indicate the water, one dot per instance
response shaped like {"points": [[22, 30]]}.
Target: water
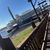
{"points": [[4, 33]]}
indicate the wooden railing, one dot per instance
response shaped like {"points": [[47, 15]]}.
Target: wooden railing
{"points": [[35, 40], [32, 42]]}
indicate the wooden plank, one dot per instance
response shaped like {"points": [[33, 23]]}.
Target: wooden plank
{"points": [[47, 48], [48, 43], [48, 31], [48, 36]]}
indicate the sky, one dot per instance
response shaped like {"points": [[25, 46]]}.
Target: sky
{"points": [[16, 6]]}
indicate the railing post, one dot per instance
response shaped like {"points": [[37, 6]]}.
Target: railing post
{"points": [[33, 25], [6, 44]]}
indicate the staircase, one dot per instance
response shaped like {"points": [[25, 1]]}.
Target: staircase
{"points": [[48, 37]]}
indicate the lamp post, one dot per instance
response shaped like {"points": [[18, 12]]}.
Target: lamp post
{"points": [[34, 9], [11, 14]]}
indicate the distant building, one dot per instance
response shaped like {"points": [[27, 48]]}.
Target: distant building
{"points": [[25, 15], [18, 19], [29, 13]]}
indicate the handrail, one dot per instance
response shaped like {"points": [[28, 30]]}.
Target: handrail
{"points": [[31, 33], [32, 36]]}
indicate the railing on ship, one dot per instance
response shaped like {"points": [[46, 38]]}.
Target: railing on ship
{"points": [[32, 42], [35, 40]]}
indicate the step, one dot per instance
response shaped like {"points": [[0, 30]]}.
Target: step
{"points": [[48, 31], [49, 23], [49, 27], [48, 35], [48, 43], [48, 40], [47, 48]]}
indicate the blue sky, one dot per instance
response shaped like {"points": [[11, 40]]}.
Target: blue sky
{"points": [[16, 6]]}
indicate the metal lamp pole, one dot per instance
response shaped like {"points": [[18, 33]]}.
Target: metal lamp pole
{"points": [[11, 14], [34, 9]]}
